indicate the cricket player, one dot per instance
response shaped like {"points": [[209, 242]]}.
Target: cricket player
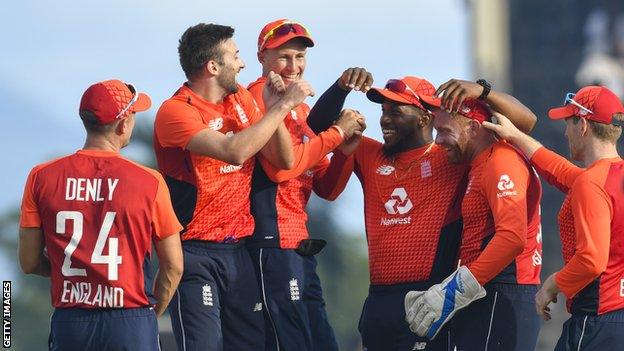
{"points": [[282, 252], [412, 204], [205, 137], [89, 221], [590, 219], [500, 253]]}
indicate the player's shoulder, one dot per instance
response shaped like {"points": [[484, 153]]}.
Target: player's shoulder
{"points": [[50, 164], [596, 175], [505, 155], [257, 85], [142, 169]]}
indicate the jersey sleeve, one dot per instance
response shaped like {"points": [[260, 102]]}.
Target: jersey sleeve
{"points": [[164, 220], [335, 178], [176, 123], [30, 217], [592, 212], [557, 170], [504, 182], [253, 109], [307, 155]]}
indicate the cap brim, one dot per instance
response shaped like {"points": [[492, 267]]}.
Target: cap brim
{"points": [[143, 103], [433, 101], [279, 41], [561, 112], [381, 95]]}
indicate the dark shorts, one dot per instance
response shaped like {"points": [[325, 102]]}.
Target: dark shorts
{"points": [[104, 329], [383, 326], [217, 305], [593, 333], [505, 319], [295, 315]]}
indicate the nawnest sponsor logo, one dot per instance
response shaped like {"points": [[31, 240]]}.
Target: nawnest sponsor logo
{"points": [[229, 169], [506, 187], [398, 204]]}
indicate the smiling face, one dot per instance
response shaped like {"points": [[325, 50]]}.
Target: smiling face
{"points": [[229, 66], [399, 125], [454, 135], [287, 60]]}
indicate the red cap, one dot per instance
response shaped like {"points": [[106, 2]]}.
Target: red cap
{"points": [[475, 109], [409, 90], [278, 32], [602, 103], [113, 99]]}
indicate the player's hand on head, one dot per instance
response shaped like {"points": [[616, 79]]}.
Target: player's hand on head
{"points": [[502, 126], [455, 91], [356, 78]]}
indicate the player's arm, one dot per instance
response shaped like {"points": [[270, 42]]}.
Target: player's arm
{"points": [[239, 147], [509, 211], [327, 108], [309, 154], [168, 246], [455, 91], [31, 246], [170, 268], [592, 211], [31, 242], [557, 170]]}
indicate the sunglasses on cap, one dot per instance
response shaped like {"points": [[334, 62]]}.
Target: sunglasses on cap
{"points": [[399, 86], [569, 99], [284, 29], [134, 99]]}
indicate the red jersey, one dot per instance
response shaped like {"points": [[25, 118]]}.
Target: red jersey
{"points": [[502, 241], [279, 197], [210, 197], [411, 207], [98, 213], [591, 226]]}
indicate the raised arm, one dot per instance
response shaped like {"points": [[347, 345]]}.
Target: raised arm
{"points": [[455, 91], [327, 108]]}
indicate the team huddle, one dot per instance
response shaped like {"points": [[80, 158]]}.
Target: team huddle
{"points": [[452, 223]]}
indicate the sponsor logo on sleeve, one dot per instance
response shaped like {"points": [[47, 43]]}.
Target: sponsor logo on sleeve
{"points": [[506, 187]]}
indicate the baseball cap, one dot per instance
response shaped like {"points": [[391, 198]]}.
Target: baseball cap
{"points": [[278, 32], [408, 90], [111, 100], [595, 103], [475, 109]]}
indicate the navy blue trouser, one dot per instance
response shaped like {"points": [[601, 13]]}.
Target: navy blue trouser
{"points": [[383, 326], [593, 333], [295, 315], [505, 319], [123, 329], [217, 305]]}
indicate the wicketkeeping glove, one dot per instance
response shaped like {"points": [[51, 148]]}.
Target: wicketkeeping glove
{"points": [[428, 311]]}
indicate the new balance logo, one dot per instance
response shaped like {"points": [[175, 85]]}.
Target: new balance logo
{"points": [[419, 346], [399, 203], [241, 114], [505, 186], [385, 170], [207, 295], [215, 124], [294, 290], [293, 114], [425, 169], [258, 307]]}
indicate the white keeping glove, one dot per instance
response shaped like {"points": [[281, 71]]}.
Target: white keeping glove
{"points": [[428, 311]]}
